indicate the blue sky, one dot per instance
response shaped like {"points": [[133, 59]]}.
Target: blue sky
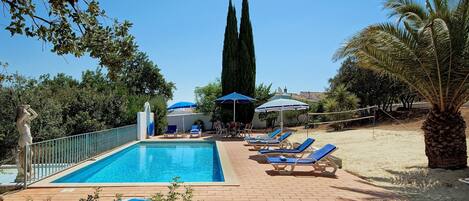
{"points": [[294, 40]]}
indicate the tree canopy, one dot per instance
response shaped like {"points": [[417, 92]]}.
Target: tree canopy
{"points": [[372, 88], [141, 76], [205, 97], [75, 27]]}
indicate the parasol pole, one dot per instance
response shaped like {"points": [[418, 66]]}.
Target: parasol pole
{"points": [[281, 119], [234, 110]]}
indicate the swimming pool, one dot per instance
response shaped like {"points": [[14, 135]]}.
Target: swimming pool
{"points": [[154, 162]]}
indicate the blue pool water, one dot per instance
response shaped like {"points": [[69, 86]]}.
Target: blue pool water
{"points": [[154, 162]]}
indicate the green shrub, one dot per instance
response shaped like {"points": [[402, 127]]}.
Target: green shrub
{"points": [[158, 106], [269, 117], [172, 195], [94, 196], [339, 99], [67, 106]]}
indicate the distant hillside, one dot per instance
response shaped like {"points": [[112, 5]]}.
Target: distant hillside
{"points": [[308, 95]]}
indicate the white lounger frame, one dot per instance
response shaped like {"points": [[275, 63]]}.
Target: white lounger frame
{"points": [[284, 144], [320, 165]]}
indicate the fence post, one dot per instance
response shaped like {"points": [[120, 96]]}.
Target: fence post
{"points": [[374, 120], [25, 166], [86, 147], [374, 116]]}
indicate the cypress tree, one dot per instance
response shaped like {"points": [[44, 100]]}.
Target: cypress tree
{"points": [[246, 36], [230, 53], [247, 63], [229, 76]]}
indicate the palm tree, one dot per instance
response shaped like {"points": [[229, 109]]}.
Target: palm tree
{"points": [[338, 99], [428, 48]]}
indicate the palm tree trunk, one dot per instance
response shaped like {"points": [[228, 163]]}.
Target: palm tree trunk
{"points": [[445, 140]]}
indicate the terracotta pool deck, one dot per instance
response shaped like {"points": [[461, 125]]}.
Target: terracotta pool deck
{"points": [[256, 183]]}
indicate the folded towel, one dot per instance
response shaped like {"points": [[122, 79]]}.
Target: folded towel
{"points": [[282, 158]]}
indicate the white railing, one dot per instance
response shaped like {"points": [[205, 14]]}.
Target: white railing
{"points": [[49, 157]]}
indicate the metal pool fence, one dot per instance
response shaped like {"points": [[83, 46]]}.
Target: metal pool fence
{"points": [[48, 157]]}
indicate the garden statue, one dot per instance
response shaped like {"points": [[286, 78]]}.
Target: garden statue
{"points": [[24, 115]]}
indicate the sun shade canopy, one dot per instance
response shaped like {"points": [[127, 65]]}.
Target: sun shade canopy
{"points": [[235, 97], [180, 105], [282, 105]]}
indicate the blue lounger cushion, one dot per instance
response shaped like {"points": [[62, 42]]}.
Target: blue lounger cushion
{"points": [[262, 137], [305, 145], [311, 159], [195, 129]]}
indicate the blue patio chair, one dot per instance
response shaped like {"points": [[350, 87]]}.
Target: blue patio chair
{"points": [[171, 131], [265, 144], [319, 160], [297, 152], [271, 135], [196, 130]]}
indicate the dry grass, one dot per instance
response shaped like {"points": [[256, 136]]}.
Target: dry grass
{"points": [[394, 160]]}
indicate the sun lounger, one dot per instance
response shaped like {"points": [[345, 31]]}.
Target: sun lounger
{"points": [[171, 131], [195, 130], [298, 151], [281, 142], [319, 160], [271, 135]]}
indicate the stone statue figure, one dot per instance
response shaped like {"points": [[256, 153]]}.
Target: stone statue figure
{"points": [[24, 115]]}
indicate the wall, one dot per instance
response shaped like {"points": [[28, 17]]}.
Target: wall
{"points": [[190, 118]]}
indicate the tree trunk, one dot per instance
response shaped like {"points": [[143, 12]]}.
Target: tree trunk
{"points": [[403, 102], [445, 140], [411, 102]]}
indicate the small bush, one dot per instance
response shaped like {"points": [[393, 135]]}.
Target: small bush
{"points": [[94, 197], [172, 195]]}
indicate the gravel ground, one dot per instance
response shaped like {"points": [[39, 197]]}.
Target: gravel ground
{"points": [[392, 159]]}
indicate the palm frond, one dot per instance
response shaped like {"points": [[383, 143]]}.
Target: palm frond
{"points": [[441, 6], [429, 7], [409, 10], [428, 49]]}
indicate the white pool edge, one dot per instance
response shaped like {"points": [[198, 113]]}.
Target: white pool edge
{"points": [[228, 171]]}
